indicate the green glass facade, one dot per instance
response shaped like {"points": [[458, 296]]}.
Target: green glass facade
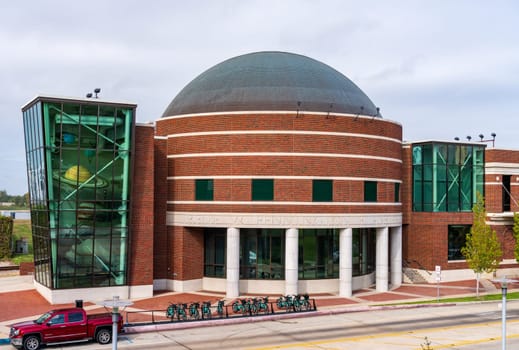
{"points": [[79, 166], [446, 177]]}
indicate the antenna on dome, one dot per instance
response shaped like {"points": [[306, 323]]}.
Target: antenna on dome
{"points": [[361, 112], [376, 114], [329, 110]]}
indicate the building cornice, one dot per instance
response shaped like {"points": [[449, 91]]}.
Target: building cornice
{"points": [[248, 220]]}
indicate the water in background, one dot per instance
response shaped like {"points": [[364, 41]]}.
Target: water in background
{"points": [[17, 214]]}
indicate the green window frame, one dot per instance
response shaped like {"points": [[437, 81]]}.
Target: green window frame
{"points": [[370, 191], [262, 189], [322, 191], [397, 192], [204, 190]]}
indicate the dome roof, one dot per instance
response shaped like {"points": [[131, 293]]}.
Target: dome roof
{"points": [[274, 81]]}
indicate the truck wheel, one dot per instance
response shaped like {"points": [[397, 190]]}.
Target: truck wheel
{"points": [[31, 342], [104, 336]]}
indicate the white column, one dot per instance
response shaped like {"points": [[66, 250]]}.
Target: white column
{"points": [[396, 256], [382, 259], [345, 262], [291, 260], [233, 263]]}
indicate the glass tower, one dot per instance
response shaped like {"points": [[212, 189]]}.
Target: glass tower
{"points": [[447, 176], [78, 166]]}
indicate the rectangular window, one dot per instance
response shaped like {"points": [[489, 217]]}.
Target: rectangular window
{"points": [[397, 192], [204, 190], [506, 192], [322, 191], [370, 191], [214, 252], [457, 237], [262, 189]]}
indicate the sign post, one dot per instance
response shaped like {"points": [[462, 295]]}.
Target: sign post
{"points": [[438, 279]]}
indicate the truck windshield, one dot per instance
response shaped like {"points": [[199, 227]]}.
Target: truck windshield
{"points": [[43, 318]]}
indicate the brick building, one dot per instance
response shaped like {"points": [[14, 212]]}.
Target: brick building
{"points": [[268, 173]]}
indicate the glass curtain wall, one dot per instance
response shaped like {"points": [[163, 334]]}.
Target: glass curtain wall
{"points": [[446, 177], [318, 253], [363, 251], [262, 254], [35, 157], [214, 252], [85, 170]]}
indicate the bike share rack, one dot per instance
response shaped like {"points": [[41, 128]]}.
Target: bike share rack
{"points": [[241, 307]]}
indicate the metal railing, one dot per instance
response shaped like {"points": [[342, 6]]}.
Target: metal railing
{"points": [[202, 311]]}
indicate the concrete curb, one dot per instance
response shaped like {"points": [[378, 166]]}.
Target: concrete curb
{"points": [[271, 317]]}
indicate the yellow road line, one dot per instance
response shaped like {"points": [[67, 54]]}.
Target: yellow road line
{"points": [[396, 334]]}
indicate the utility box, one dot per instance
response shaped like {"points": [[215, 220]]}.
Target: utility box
{"points": [[22, 246]]}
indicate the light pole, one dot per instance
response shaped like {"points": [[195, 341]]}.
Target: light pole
{"points": [[504, 282], [115, 304]]}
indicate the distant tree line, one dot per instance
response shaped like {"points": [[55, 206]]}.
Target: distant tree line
{"points": [[19, 201]]}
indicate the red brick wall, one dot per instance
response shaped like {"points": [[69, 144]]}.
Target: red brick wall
{"points": [[140, 263], [494, 155], [288, 121], [406, 188], [161, 247], [187, 247], [288, 190], [494, 192], [426, 238], [505, 235]]}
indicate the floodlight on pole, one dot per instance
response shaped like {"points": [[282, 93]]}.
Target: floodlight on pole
{"points": [[115, 304], [504, 285]]}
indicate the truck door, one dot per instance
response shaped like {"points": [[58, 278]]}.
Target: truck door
{"points": [[55, 330], [76, 325]]}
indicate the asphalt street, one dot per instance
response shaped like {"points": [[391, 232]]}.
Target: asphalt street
{"points": [[463, 326]]}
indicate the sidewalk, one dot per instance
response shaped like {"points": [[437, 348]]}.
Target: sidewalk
{"points": [[19, 300]]}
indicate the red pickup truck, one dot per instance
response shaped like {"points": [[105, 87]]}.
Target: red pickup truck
{"points": [[63, 326]]}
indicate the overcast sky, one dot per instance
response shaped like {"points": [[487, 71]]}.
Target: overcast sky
{"points": [[440, 68]]}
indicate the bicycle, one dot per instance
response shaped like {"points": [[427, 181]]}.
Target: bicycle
{"points": [[219, 307], [171, 311], [263, 305], [194, 312], [181, 312], [243, 306], [285, 302], [206, 310], [305, 302]]}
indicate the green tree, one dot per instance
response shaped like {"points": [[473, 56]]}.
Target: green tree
{"points": [[482, 248], [516, 236], [6, 236]]}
